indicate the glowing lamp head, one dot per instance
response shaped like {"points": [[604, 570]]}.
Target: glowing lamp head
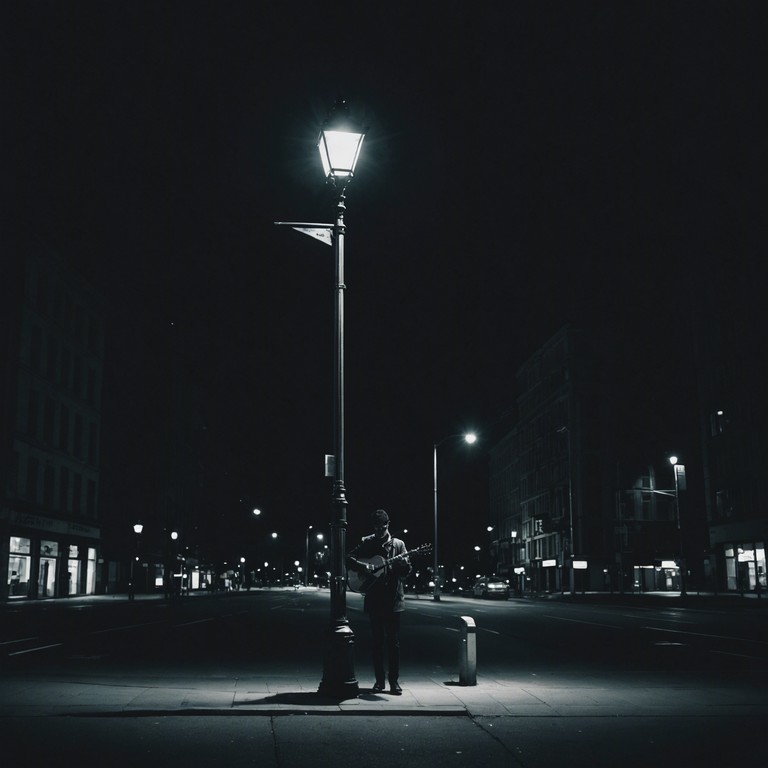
{"points": [[339, 144], [470, 438]]}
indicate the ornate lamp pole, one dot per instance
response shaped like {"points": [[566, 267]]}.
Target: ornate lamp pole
{"points": [[339, 144]]}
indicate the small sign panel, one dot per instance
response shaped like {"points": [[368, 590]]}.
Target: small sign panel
{"points": [[680, 475]]}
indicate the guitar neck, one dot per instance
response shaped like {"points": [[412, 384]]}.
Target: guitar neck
{"points": [[403, 554]]}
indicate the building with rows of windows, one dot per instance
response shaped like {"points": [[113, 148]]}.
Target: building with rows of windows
{"points": [[51, 351]]}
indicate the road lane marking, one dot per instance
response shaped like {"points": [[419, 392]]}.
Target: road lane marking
{"points": [[22, 640], [126, 626], [189, 623], [704, 634], [33, 650], [740, 655], [579, 621]]}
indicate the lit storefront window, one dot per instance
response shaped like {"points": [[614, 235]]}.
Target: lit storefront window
{"points": [[73, 570], [745, 566], [19, 566], [49, 553], [90, 579]]}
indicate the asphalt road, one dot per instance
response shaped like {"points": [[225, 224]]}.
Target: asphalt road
{"points": [[286, 628], [700, 649]]}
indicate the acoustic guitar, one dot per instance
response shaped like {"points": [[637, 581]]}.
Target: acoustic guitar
{"points": [[362, 582]]}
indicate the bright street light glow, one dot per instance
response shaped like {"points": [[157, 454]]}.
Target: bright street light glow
{"points": [[470, 438], [673, 460], [339, 151]]}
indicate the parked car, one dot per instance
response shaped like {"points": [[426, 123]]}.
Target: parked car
{"points": [[491, 586]]}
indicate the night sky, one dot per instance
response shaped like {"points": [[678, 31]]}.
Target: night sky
{"points": [[527, 165]]}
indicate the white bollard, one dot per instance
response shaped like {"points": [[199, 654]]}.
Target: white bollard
{"points": [[468, 651]]}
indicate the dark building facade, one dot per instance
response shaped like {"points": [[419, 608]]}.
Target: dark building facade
{"points": [[572, 506], [51, 350], [545, 473], [730, 332]]}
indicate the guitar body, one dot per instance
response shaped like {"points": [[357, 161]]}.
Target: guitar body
{"points": [[362, 582]]}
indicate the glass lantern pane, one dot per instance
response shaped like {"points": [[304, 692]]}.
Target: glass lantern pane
{"points": [[343, 149]]}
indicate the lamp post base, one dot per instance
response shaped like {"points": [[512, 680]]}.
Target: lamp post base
{"points": [[338, 667]]}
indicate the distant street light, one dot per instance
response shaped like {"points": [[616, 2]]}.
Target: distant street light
{"points": [[468, 438], [177, 562], [572, 574], [306, 556], [679, 470], [137, 529], [306, 553]]}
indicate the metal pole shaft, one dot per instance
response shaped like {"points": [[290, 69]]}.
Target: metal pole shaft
{"points": [[679, 533], [338, 672], [339, 503], [570, 512], [436, 587]]}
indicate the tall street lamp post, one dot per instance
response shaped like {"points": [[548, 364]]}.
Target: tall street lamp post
{"points": [[469, 438], [176, 591], [306, 557], [339, 145], [572, 575], [137, 529], [306, 554], [679, 470]]}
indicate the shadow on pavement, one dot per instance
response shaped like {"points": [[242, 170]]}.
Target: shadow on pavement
{"points": [[299, 698], [310, 698]]}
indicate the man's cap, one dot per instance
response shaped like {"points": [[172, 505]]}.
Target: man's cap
{"points": [[380, 517]]}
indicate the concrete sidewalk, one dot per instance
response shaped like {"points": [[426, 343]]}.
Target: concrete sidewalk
{"points": [[39, 695]]}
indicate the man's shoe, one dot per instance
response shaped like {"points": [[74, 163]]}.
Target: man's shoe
{"points": [[395, 689], [378, 687]]}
